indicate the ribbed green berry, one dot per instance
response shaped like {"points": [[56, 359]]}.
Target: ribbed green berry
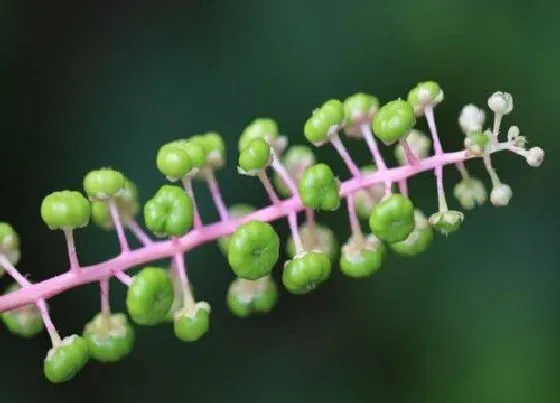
{"points": [[254, 157], [306, 272], [169, 212], [367, 198], [214, 148], [261, 128], [296, 160], [103, 184], [470, 192], [65, 360], [318, 127], [173, 161], [253, 250], [392, 220], [319, 188], [246, 297], [150, 296], [446, 221], [191, 323], [9, 244], [476, 142], [426, 94], [109, 338], [235, 211], [24, 321], [127, 206], [358, 110], [361, 257], [418, 240], [65, 210], [315, 237], [194, 150], [393, 121]]}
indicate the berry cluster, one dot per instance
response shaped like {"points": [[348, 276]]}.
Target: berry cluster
{"points": [[244, 234]]}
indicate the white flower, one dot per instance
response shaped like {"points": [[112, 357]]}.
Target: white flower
{"points": [[535, 156], [501, 102], [501, 195], [471, 119], [513, 134]]}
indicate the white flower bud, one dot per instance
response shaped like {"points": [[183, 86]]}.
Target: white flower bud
{"points": [[418, 142], [501, 195], [471, 119], [513, 133], [501, 102], [535, 156]]}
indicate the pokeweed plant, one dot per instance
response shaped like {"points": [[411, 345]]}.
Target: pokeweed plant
{"points": [[250, 244]]}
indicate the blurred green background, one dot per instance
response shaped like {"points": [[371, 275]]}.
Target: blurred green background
{"points": [[474, 319]]}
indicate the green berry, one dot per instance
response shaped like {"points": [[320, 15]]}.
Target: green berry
{"points": [[315, 237], [103, 184], [323, 121], [392, 220], [191, 323], [366, 199], [446, 221], [65, 360], [9, 244], [470, 192], [150, 296], [393, 121], [262, 128], [194, 150], [476, 142], [358, 110], [253, 250], [109, 337], [214, 148], [426, 94], [169, 212], [418, 240], [361, 257], [319, 188], [254, 157], [173, 161], [246, 297], [127, 206], [235, 211], [306, 272], [296, 160], [24, 321], [65, 210]]}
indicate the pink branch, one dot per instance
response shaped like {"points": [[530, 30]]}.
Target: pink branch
{"points": [[72, 254], [354, 222], [292, 222], [216, 194], [283, 173], [138, 232], [118, 226], [187, 184], [124, 278], [377, 157], [268, 187], [339, 147], [429, 113], [104, 288], [181, 273], [164, 249]]}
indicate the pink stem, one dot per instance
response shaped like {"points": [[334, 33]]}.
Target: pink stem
{"points": [[268, 187], [310, 218], [118, 225], [343, 152], [187, 184], [292, 222], [283, 173], [374, 150], [162, 249], [354, 222], [104, 288], [124, 278], [403, 187], [139, 232], [13, 272], [216, 194], [181, 273], [72, 254], [411, 158], [429, 113]]}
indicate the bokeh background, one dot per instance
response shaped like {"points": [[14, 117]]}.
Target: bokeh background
{"points": [[474, 319]]}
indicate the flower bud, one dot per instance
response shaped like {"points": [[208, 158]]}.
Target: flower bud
{"points": [[535, 156], [500, 195], [501, 103], [471, 119]]}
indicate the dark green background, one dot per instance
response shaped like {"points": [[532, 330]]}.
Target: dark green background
{"points": [[475, 319]]}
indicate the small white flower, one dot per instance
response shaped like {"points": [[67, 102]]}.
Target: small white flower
{"points": [[501, 195], [535, 156], [513, 134], [501, 102], [471, 119]]}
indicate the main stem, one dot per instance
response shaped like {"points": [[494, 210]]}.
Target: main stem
{"points": [[165, 249]]}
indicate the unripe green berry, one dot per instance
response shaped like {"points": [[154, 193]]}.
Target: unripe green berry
{"points": [[319, 188], [262, 128], [253, 250], [426, 94], [315, 237], [361, 257], [109, 337], [446, 221], [66, 359], [296, 160], [476, 142], [191, 323], [9, 244], [127, 207], [103, 184], [254, 157], [418, 240], [235, 211], [393, 121], [246, 297], [358, 110], [392, 220], [173, 161], [194, 150], [214, 148], [150, 296], [306, 272], [169, 212], [65, 210], [323, 121], [24, 321]]}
